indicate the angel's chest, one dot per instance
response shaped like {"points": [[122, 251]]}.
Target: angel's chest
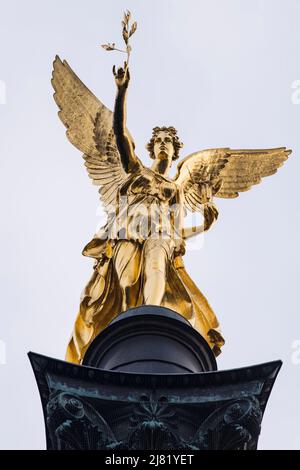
{"points": [[155, 186]]}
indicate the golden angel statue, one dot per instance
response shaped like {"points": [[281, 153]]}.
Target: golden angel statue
{"points": [[138, 253]]}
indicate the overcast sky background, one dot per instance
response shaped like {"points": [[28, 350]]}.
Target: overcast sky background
{"points": [[221, 72]]}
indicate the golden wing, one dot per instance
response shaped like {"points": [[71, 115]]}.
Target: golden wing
{"points": [[227, 171], [90, 128]]}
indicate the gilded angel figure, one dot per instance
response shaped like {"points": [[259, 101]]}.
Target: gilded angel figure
{"points": [[138, 253]]}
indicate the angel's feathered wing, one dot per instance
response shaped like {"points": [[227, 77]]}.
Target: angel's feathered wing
{"points": [[234, 170], [90, 128]]}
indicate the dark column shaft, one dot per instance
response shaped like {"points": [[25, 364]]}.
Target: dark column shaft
{"points": [[150, 339]]}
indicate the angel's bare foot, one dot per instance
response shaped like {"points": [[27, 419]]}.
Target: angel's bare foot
{"points": [[217, 339]]}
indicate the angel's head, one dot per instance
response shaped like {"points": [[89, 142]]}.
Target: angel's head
{"points": [[164, 146]]}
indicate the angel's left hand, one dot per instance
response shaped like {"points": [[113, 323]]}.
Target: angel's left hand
{"points": [[211, 214]]}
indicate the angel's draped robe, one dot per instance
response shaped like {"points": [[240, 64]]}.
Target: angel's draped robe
{"points": [[149, 208]]}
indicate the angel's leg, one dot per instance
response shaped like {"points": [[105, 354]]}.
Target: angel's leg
{"points": [[156, 255], [127, 265]]}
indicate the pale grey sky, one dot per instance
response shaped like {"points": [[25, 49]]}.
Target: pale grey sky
{"points": [[222, 72]]}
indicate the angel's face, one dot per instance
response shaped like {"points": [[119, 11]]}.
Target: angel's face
{"points": [[163, 146]]}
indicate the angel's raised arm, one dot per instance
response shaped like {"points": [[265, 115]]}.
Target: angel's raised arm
{"points": [[124, 142], [89, 126]]}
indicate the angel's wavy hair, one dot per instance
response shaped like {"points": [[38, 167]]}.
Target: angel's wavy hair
{"points": [[173, 133]]}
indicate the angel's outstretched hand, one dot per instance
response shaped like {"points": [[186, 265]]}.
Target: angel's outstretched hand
{"points": [[122, 76]]}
